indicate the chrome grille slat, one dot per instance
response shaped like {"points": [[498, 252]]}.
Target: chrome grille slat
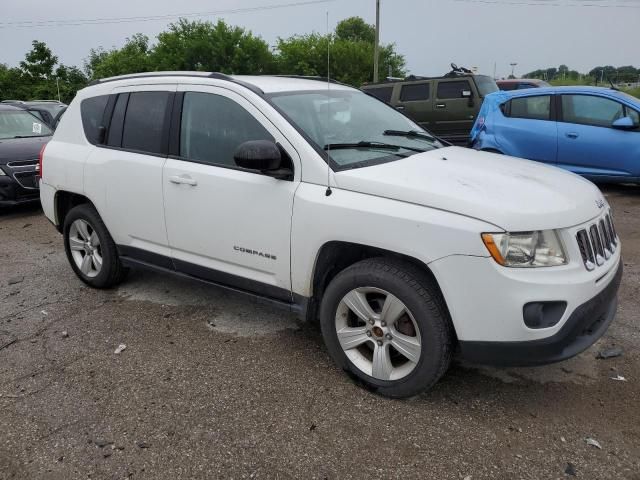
{"points": [[597, 242]]}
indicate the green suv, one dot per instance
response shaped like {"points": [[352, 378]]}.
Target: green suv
{"points": [[447, 106]]}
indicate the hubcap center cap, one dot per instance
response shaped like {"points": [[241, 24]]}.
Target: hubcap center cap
{"points": [[377, 331]]}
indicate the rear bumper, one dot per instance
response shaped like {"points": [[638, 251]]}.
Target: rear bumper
{"points": [[11, 193], [583, 328]]}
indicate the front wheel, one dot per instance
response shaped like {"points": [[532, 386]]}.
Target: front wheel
{"points": [[384, 323]]}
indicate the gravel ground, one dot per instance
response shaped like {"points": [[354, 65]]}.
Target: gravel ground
{"points": [[212, 385]]}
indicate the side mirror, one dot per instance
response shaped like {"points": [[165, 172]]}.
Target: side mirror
{"points": [[624, 123], [262, 155]]}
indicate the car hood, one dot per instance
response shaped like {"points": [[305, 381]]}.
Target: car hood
{"points": [[510, 193], [17, 149]]}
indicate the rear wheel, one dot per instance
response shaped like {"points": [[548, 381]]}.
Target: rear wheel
{"points": [[90, 249], [385, 324]]}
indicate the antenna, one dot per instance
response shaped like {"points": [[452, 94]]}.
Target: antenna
{"points": [[328, 192]]}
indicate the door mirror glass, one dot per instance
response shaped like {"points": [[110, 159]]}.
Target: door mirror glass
{"points": [[261, 155], [466, 93], [624, 123]]}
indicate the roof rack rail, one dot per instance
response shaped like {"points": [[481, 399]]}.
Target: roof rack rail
{"points": [[214, 75], [313, 77]]}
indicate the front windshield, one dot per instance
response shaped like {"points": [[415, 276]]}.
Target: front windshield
{"points": [[337, 120], [21, 124]]}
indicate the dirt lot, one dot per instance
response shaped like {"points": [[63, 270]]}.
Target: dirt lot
{"points": [[212, 385]]}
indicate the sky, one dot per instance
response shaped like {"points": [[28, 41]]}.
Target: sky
{"points": [[431, 34]]}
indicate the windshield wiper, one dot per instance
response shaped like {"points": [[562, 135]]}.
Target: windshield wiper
{"points": [[366, 144], [29, 136], [410, 134]]}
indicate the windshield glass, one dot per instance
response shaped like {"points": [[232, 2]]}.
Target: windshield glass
{"points": [[337, 120], [486, 85], [18, 124]]}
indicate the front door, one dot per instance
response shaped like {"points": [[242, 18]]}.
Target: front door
{"points": [[226, 224], [587, 143]]}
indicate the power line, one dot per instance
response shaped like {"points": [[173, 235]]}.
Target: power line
{"points": [[150, 18], [556, 3]]}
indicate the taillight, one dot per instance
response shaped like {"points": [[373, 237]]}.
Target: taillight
{"points": [[40, 156]]}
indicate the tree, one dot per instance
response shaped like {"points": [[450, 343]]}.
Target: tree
{"points": [[39, 62], [352, 48], [211, 47], [133, 57]]}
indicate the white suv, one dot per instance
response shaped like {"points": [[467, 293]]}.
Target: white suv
{"points": [[324, 200]]}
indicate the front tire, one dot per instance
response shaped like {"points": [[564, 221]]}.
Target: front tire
{"points": [[90, 249], [385, 323]]}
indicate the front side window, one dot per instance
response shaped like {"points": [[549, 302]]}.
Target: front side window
{"points": [[144, 122], [634, 115], [533, 108], [414, 91], [357, 130], [591, 110], [214, 126], [21, 124], [453, 89]]}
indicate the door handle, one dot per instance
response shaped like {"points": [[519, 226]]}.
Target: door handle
{"points": [[183, 180], [441, 105], [400, 107], [572, 135]]}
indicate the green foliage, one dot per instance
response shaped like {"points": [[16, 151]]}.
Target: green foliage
{"points": [[134, 56], [352, 50], [598, 75], [208, 47]]}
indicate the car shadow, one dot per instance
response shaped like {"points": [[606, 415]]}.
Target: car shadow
{"points": [[25, 210]]}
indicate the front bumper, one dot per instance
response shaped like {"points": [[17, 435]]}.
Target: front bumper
{"points": [[12, 193], [583, 328]]}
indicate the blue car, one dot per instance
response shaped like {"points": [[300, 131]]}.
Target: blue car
{"points": [[592, 131]]}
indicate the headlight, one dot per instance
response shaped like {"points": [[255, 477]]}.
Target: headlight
{"points": [[541, 248]]}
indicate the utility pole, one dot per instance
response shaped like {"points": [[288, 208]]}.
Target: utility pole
{"points": [[58, 86], [377, 46]]}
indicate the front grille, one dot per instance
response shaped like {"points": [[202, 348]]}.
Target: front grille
{"points": [[598, 242]]}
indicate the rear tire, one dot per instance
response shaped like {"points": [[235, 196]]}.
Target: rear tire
{"points": [[90, 249], [401, 341]]}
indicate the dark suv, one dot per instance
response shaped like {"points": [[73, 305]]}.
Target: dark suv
{"points": [[447, 105], [22, 136]]}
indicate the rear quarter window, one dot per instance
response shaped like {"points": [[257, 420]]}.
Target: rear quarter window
{"points": [[92, 111], [382, 93]]}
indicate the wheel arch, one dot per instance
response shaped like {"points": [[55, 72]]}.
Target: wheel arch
{"points": [[334, 256], [64, 201]]}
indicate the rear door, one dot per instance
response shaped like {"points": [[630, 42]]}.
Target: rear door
{"points": [[415, 100], [453, 111], [587, 143], [124, 175]]}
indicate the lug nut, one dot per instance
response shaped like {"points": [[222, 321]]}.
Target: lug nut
{"points": [[383, 323], [379, 343], [389, 337], [368, 333], [372, 321]]}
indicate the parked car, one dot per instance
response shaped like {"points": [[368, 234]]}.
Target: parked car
{"points": [[22, 136], [403, 249], [521, 83], [592, 131], [446, 105], [49, 111]]}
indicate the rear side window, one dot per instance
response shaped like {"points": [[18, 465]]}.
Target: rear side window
{"points": [[144, 122], [452, 89], [91, 111], [383, 93], [591, 110], [534, 108], [213, 127], [415, 91]]}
